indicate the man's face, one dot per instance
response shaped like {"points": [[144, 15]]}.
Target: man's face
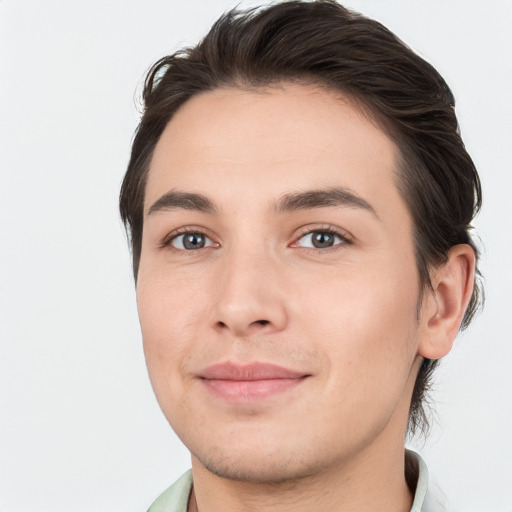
{"points": [[278, 288]]}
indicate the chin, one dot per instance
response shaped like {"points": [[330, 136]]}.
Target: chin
{"points": [[259, 460], [258, 469]]}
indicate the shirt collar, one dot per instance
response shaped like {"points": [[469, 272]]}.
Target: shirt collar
{"points": [[421, 484], [175, 499]]}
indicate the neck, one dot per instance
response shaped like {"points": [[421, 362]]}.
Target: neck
{"points": [[373, 481]]}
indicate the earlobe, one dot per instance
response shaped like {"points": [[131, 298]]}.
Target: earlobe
{"points": [[445, 304]]}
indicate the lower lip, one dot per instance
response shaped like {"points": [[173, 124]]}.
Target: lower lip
{"points": [[246, 391]]}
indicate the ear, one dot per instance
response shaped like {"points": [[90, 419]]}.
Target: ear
{"points": [[445, 303]]}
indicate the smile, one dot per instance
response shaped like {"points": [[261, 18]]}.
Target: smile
{"points": [[243, 384]]}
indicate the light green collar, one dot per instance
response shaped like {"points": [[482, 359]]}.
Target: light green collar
{"points": [[175, 499]]}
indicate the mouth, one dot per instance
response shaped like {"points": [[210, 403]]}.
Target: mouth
{"points": [[247, 383]]}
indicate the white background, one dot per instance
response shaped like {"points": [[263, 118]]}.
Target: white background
{"points": [[80, 429]]}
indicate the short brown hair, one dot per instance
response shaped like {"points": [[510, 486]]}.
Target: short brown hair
{"points": [[322, 42]]}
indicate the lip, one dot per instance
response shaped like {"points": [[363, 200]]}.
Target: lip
{"points": [[246, 383]]}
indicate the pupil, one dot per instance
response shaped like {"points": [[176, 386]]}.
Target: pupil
{"points": [[322, 240], [193, 241]]}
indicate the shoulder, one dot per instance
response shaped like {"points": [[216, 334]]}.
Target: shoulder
{"points": [[174, 499]]}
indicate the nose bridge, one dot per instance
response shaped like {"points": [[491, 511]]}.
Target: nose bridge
{"points": [[248, 296]]}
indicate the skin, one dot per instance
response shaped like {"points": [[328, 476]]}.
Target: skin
{"points": [[345, 315]]}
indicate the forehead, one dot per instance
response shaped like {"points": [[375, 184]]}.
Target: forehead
{"points": [[272, 141]]}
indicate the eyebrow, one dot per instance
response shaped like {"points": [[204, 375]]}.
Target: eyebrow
{"points": [[322, 198], [310, 199], [175, 199]]}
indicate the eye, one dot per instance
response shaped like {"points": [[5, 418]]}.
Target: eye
{"points": [[191, 241], [320, 239]]}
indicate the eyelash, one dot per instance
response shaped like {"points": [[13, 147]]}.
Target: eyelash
{"points": [[345, 239], [167, 241]]}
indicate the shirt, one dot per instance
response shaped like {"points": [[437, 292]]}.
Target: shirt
{"points": [[175, 499]]}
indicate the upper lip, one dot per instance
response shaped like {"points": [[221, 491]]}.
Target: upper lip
{"points": [[246, 372]]}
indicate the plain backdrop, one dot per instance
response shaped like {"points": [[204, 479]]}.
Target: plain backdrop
{"points": [[80, 429]]}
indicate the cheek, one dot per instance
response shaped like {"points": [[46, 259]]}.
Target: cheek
{"points": [[365, 324], [168, 302], [168, 312], [367, 335]]}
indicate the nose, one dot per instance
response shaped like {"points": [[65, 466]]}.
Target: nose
{"points": [[249, 297]]}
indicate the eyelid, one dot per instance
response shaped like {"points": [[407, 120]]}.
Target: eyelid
{"points": [[168, 239], [303, 231], [346, 238]]}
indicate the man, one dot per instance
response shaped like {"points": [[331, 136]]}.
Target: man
{"points": [[299, 202]]}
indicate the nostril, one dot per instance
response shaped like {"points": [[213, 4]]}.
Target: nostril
{"points": [[242, 327]]}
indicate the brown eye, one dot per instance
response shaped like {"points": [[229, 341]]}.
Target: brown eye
{"points": [[320, 240], [191, 241]]}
